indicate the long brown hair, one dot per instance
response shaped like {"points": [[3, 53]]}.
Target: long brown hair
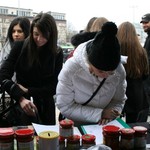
{"points": [[47, 25], [137, 62]]}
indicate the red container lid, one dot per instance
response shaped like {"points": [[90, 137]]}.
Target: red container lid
{"points": [[66, 123], [88, 137], [127, 131], [111, 129], [24, 132], [74, 139], [140, 129], [6, 132]]}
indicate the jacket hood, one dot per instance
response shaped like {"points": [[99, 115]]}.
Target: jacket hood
{"points": [[80, 56], [82, 37]]}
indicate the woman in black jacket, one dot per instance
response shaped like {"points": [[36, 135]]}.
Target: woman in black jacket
{"points": [[37, 62], [137, 70]]}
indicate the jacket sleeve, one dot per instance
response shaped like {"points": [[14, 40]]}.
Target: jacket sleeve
{"points": [[7, 71]]}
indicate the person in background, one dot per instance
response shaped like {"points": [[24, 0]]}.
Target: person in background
{"points": [[94, 25], [137, 69], [37, 62], [94, 63], [98, 23], [145, 21], [18, 30], [82, 36], [89, 24]]}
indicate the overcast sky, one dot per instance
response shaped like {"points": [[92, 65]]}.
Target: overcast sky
{"points": [[78, 12]]}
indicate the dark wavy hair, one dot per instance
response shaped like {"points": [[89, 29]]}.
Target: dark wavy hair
{"points": [[23, 22]]}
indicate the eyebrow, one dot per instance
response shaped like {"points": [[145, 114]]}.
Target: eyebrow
{"points": [[145, 22]]}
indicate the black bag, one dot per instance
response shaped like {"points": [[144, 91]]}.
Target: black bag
{"points": [[11, 114]]}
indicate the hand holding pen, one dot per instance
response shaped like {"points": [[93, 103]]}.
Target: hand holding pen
{"points": [[28, 106], [116, 113], [108, 115], [34, 109]]}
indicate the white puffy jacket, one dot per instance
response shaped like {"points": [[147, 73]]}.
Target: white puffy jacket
{"points": [[76, 85]]}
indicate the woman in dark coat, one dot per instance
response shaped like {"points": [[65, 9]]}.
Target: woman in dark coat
{"points": [[37, 62]]}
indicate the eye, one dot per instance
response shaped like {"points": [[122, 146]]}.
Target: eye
{"points": [[19, 31], [35, 34]]}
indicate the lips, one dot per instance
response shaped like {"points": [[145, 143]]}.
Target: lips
{"points": [[17, 39]]}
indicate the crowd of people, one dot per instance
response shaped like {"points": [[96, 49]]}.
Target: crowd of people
{"points": [[94, 85]]}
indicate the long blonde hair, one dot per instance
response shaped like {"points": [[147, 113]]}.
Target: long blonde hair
{"points": [[137, 62], [90, 22], [98, 23]]}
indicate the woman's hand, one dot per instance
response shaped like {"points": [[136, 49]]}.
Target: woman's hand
{"points": [[28, 106], [108, 115]]}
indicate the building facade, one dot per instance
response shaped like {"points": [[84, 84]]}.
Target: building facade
{"points": [[7, 14]]}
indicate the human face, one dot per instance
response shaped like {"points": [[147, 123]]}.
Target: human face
{"points": [[38, 37], [100, 73], [17, 33], [146, 26]]}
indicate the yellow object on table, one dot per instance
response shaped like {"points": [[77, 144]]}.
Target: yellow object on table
{"points": [[48, 140]]}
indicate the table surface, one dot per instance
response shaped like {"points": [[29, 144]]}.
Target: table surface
{"points": [[145, 124]]}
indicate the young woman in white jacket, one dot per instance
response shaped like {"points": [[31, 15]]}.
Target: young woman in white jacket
{"points": [[81, 75]]}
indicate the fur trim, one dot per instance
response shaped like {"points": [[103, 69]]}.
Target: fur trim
{"points": [[82, 37]]}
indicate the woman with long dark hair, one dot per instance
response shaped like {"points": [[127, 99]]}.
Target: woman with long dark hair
{"points": [[18, 30], [37, 62]]}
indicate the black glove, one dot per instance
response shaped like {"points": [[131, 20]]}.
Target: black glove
{"points": [[6, 85], [12, 89]]}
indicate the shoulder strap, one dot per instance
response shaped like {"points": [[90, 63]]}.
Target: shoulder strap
{"points": [[100, 85]]}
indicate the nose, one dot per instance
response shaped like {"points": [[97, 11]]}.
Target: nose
{"points": [[39, 38], [16, 33]]}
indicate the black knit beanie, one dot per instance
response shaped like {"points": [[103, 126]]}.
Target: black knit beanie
{"points": [[104, 51]]}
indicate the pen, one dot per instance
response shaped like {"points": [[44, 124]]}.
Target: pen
{"points": [[31, 98], [117, 113]]}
